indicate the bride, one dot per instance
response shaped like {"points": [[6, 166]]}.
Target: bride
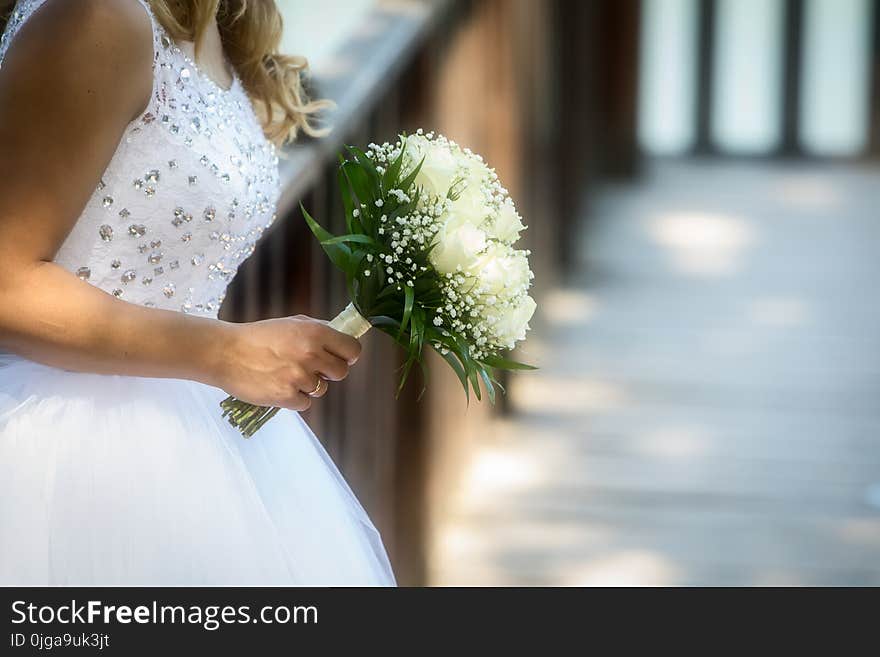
{"points": [[138, 168]]}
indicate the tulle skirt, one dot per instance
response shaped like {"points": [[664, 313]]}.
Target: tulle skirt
{"points": [[115, 480]]}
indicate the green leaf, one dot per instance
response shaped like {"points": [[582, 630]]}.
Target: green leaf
{"points": [[339, 254], [368, 165], [369, 285], [475, 382], [506, 364], [490, 389], [407, 366], [393, 171], [407, 182], [384, 322], [495, 381], [387, 291], [461, 348], [420, 329], [351, 237], [409, 299], [345, 193], [360, 182], [414, 349], [452, 358]]}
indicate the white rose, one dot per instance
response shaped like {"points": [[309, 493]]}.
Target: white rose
{"points": [[439, 169], [508, 223], [459, 244], [520, 274], [514, 324], [503, 272], [471, 203]]}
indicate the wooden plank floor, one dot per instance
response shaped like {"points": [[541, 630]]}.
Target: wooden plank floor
{"points": [[708, 408]]}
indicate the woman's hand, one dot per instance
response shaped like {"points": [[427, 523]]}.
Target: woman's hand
{"points": [[278, 362]]}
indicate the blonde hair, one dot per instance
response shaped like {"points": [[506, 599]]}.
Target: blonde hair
{"points": [[251, 33]]}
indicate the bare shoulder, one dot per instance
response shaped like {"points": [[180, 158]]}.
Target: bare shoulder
{"points": [[121, 25], [91, 41]]}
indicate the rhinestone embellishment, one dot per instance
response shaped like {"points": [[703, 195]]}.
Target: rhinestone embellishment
{"points": [[189, 131]]}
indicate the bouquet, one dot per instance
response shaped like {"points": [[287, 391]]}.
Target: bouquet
{"points": [[429, 259]]}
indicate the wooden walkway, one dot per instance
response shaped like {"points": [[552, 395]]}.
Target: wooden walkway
{"points": [[708, 408]]}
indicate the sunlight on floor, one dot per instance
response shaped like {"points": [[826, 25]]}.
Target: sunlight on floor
{"points": [[703, 244], [569, 307], [499, 472], [566, 394], [626, 568], [679, 443]]}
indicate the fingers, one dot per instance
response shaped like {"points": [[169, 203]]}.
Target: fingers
{"points": [[296, 401], [319, 389], [329, 366], [341, 345], [309, 384], [303, 388]]}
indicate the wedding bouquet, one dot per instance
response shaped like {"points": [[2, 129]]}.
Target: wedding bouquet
{"points": [[429, 259]]}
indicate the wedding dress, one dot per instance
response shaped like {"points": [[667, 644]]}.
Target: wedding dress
{"points": [[116, 480]]}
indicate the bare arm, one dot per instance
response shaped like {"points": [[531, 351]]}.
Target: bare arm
{"points": [[74, 77]]}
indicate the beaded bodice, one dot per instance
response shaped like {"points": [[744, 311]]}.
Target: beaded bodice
{"points": [[190, 189]]}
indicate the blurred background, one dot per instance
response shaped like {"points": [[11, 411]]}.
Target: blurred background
{"points": [[700, 178]]}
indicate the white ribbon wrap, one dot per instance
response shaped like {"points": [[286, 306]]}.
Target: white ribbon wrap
{"points": [[350, 322]]}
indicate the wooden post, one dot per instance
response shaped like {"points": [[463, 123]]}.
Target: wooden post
{"points": [[703, 144], [790, 116], [616, 95], [873, 149]]}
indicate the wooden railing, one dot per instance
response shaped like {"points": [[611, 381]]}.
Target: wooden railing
{"points": [[365, 429], [486, 73]]}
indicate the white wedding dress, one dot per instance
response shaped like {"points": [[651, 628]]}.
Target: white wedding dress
{"points": [[115, 480]]}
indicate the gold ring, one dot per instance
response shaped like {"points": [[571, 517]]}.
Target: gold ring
{"points": [[314, 393]]}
